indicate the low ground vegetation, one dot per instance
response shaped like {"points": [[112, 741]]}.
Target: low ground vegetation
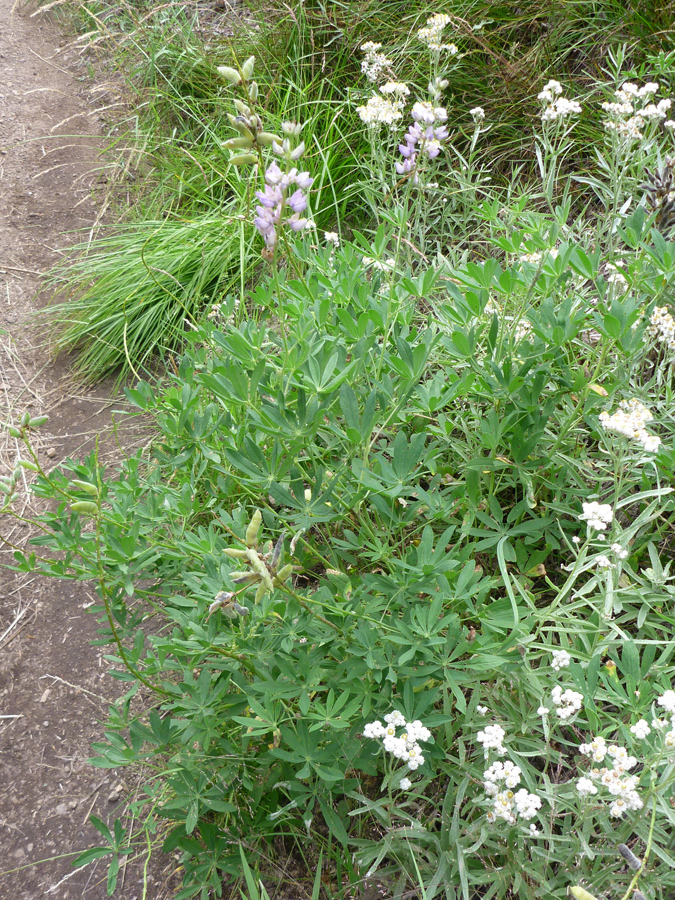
{"points": [[394, 582]]}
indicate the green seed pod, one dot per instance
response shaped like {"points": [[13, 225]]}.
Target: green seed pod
{"points": [[227, 73], [247, 68], [86, 486], [260, 593], [86, 507], [235, 553], [28, 464], [240, 143], [283, 574], [253, 529], [244, 577], [241, 125], [260, 568], [25, 418], [629, 856], [581, 894], [242, 108], [253, 91], [14, 432], [36, 421], [244, 160], [267, 139]]}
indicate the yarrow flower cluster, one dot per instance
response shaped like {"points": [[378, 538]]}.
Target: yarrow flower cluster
{"points": [[432, 35], [630, 420], [621, 786], [633, 107], [274, 201], [662, 327], [556, 107], [404, 746], [598, 515], [424, 135], [374, 62], [499, 780]]}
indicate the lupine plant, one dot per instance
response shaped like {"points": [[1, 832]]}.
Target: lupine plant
{"points": [[394, 582]]}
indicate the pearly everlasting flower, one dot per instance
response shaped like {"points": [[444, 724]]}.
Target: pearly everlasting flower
{"points": [[598, 515], [380, 111], [403, 746], [492, 738], [534, 831], [561, 660], [558, 107], [629, 420], [477, 114], [526, 804], [543, 711], [667, 701], [405, 784], [641, 729], [374, 62], [597, 749], [662, 327], [432, 35], [586, 788], [619, 551], [603, 562], [374, 730], [567, 703], [397, 88], [395, 718], [482, 710]]}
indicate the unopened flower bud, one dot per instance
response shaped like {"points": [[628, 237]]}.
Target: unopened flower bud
{"points": [[292, 129], [253, 91]]}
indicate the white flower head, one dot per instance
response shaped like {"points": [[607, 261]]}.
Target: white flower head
{"points": [[405, 784], [561, 660], [598, 515]]}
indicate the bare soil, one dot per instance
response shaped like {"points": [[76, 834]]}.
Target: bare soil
{"points": [[54, 685]]}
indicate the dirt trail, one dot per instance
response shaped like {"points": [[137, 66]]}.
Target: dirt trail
{"points": [[54, 686]]}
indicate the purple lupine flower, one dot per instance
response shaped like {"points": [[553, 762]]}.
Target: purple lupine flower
{"points": [[273, 199], [424, 136]]}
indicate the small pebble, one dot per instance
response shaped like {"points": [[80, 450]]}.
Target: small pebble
{"points": [[51, 453]]}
